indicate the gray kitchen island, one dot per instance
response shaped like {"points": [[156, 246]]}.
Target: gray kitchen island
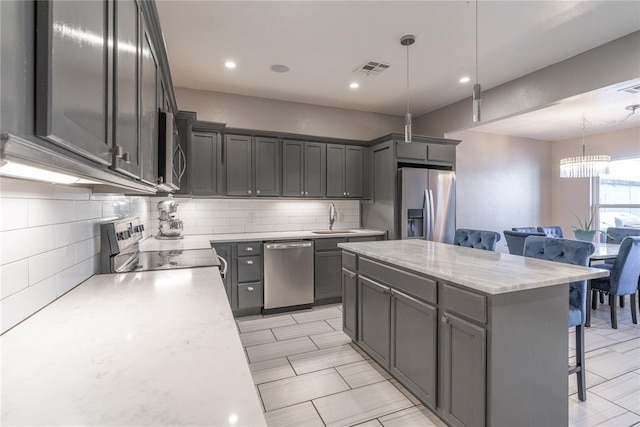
{"points": [[480, 337]]}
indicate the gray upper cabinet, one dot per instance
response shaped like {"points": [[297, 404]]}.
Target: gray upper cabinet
{"points": [[422, 152], [206, 151], [149, 109], [354, 165], [293, 168], [267, 166], [73, 79], [315, 162], [303, 169], [126, 90], [345, 166], [237, 159]]}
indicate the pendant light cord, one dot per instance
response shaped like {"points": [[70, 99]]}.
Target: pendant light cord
{"points": [[477, 79], [407, 78]]}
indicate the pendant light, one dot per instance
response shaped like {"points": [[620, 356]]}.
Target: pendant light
{"points": [[477, 100], [407, 41], [584, 166]]}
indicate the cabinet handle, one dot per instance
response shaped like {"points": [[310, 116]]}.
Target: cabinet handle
{"points": [[249, 249], [126, 157], [250, 289], [258, 192], [344, 193], [347, 193], [302, 193], [351, 275], [445, 319], [117, 150], [249, 191], [249, 262]]}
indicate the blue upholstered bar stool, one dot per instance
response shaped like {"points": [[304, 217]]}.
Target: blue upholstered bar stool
{"points": [[515, 240], [622, 280], [478, 239], [569, 252], [552, 231], [525, 229]]}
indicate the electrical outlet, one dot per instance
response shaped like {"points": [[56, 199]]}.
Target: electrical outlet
{"points": [[251, 217]]}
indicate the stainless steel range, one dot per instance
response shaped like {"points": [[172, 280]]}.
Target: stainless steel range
{"points": [[120, 251]]}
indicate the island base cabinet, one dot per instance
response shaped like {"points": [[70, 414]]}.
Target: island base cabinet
{"points": [[349, 304], [463, 378], [374, 328], [413, 349]]}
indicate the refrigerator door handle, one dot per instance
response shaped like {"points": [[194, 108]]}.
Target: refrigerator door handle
{"points": [[426, 218], [431, 216]]}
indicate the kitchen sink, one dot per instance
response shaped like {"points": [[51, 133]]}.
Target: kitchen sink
{"points": [[332, 231]]}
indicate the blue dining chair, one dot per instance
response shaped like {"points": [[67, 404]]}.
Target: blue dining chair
{"points": [[622, 280], [569, 252], [477, 239], [615, 236], [525, 229], [515, 240], [552, 231]]}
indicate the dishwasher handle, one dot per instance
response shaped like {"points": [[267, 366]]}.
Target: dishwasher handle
{"points": [[288, 245], [223, 270]]}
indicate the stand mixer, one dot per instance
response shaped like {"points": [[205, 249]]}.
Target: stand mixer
{"points": [[169, 227]]}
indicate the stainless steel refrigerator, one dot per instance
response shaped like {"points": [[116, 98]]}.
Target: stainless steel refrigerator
{"points": [[426, 205]]}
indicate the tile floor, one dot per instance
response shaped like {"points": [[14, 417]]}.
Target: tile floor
{"points": [[308, 373]]}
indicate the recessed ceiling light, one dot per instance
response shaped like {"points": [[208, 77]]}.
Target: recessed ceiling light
{"points": [[279, 68], [464, 79], [354, 85], [230, 64]]}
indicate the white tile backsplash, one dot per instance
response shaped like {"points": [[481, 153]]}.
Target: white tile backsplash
{"points": [[14, 277], [13, 214], [222, 216], [49, 241]]}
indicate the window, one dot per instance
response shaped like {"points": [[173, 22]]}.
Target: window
{"points": [[617, 195]]}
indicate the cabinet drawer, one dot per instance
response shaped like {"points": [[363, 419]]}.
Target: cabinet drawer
{"points": [[250, 295], [412, 284], [329, 244], [463, 302], [249, 269], [349, 261], [363, 239], [253, 248]]}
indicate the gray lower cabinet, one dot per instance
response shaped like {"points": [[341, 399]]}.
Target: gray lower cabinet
{"points": [[205, 160], [463, 350], [243, 281], [414, 350], [224, 251], [350, 303], [374, 326], [328, 270]]}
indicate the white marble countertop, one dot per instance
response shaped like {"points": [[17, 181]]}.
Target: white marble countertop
{"points": [[150, 348], [202, 241], [485, 271]]}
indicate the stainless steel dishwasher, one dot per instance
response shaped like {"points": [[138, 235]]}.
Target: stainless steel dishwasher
{"points": [[288, 274]]}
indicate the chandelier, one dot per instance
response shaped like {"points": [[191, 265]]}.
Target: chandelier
{"points": [[584, 166]]}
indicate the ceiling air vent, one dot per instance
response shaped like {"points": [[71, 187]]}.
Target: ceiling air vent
{"points": [[372, 68], [633, 89]]}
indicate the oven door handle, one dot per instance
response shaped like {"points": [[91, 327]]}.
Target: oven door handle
{"points": [[223, 271]]}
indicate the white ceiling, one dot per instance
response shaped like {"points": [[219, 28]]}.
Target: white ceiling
{"points": [[323, 42]]}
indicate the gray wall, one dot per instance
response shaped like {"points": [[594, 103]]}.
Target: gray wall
{"points": [[249, 112], [502, 182], [611, 63]]}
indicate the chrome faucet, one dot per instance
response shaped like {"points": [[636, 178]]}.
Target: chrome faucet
{"points": [[333, 215]]}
